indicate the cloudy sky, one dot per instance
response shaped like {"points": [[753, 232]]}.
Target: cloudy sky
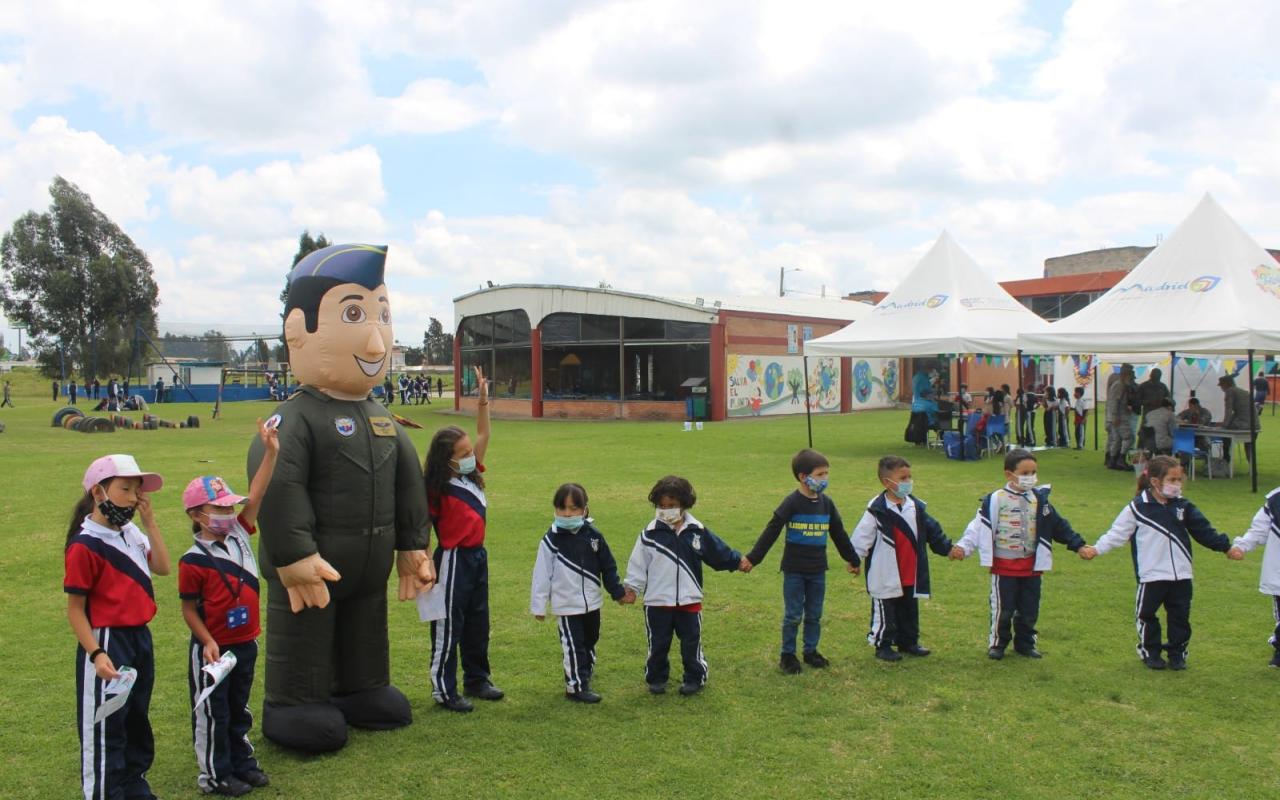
{"points": [[669, 147]]}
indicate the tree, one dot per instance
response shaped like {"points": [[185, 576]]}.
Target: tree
{"points": [[413, 356], [78, 283], [306, 246], [437, 346]]}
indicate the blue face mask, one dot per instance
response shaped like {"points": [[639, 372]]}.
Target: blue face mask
{"points": [[570, 523], [903, 489], [467, 465], [818, 485]]}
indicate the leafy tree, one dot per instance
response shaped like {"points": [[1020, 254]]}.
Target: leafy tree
{"points": [[78, 283], [306, 246], [437, 345], [413, 356]]}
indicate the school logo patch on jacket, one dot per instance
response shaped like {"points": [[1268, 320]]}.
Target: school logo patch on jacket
{"points": [[345, 425], [697, 542], [595, 545]]}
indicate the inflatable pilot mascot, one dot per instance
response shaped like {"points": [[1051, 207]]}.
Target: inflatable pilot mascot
{"points": [[346, 501]]}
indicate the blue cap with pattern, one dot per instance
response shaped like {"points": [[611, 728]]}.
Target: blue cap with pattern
{"points": [[350, 263]]}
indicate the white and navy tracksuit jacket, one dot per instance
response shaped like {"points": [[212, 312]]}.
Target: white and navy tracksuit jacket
{"points": [[1159, 536], [874, 537], [1050, 527], [666, 567], [1265, 531], [569, 572]]}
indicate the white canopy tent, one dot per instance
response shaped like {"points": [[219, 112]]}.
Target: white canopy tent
{"points": [[946, 304], [1209, 288]]}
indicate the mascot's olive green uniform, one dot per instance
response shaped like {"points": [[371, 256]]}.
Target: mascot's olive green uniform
{"points": [[345, 503]]}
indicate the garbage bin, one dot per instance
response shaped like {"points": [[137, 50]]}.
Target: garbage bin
{"points": [[695, 398]]}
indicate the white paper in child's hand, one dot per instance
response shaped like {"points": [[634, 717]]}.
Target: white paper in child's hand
{"points": [[117, 692], [218, 670], [431, 604]]}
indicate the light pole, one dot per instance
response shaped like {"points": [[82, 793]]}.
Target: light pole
{"points": [[19, 329], [782, 275]]}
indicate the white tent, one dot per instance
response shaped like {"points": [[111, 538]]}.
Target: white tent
{"points": [[1208, 288], [946, 304]]}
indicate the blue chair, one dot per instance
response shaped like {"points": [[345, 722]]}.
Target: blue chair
{"points": [[997, 433], [1184, 441]]}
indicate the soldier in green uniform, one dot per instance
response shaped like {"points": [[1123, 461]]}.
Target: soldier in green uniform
{"points": [[346, 500]]}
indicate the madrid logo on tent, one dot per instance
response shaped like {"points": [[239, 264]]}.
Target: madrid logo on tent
{"points": [[1200, 285], [932, 302], [1268, 278]]}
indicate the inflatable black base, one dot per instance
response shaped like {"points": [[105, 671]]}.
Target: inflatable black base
{"points": [[322, 727]]}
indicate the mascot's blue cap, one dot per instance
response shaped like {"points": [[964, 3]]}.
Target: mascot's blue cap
{"points": [[350, 263]]}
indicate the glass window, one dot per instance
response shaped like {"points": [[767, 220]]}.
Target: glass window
{"points": [[512, 372], [581, 372], [688, 331], [655, 372], [560, 328], [637, 328], [477, 331], [511, 327], [1073, 302], [474, 358], [599, 329]]}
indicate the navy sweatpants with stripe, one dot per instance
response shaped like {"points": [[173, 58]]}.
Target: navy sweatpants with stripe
{"points": [[660, 622], [895, 620], [463, 573], [220, 725], [116, 753], [1175, 596], [579, 634], [1015, 602]]}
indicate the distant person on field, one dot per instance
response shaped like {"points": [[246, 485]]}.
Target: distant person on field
{"points": [[1162, 425], [1159, 525], [72, 390], [1260, 389], [8, 400], [160, 390], [1237, 407], [439, 387], [809, 517], [1120, 393], [1080, 410], [1013, 532], [56, 387], [891, 539]]}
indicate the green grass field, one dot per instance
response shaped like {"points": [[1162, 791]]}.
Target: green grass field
{"points": [[1087, 721]]}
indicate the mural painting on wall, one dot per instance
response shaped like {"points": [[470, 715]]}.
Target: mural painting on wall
{"points": [[766, 385], [875, 382]]}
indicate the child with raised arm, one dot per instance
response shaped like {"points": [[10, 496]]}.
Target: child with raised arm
{"points": [[891, 539], [666, 567], [1013, 532], [809, 517], [1159, 525], [218, 584]]}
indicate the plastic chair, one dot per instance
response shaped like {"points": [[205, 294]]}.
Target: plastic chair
{"points": [[997, 434], [1184, 441]]}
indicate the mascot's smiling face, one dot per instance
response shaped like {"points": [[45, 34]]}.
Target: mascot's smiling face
{"points": [[348, 352]]}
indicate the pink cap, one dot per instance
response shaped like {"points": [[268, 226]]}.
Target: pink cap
{"points": [[209, 489], [120, 466]]}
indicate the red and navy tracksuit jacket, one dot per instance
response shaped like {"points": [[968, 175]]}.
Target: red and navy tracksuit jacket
{"points": [[111, 570]]}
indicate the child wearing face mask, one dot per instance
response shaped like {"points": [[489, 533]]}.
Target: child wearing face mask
{"points": [[218, 585], [891, 539], [1013, 532], [1161, 523], [1265, 531], [666, 567], [573, 563], [809, 516], [454, 476], [109, 563]]}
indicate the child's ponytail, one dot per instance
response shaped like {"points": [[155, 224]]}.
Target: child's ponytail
{"points": [[84, 507]]}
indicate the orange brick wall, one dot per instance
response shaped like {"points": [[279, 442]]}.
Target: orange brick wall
{"points": [[607, 409], [742, 334], [498, 407]]}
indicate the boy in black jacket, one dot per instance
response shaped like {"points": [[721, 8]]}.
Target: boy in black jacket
{"points": [[809, 517]]}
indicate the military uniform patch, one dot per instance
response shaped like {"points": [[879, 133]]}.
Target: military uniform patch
{"points": [[382, 426], [273, 422], [345, 425]]}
